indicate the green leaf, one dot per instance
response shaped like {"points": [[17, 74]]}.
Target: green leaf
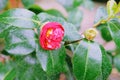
{"points": [[111, 7], [4, 29], [3, 3], [36, 9], [4, 68], [88, 4], [75, 17], [106, 64], [101, 14], [117, 61], [20, 42], [10, 75], [105, 32], [77, 3], [25, 68], [52, 61], [28, 3], [30, 68], [89, 62], [114, 29], [21, 18], [71, 33], [71, 4], [67, 4], [54, 13]]}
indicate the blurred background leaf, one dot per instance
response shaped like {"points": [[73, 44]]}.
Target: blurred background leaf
{"points": [[3, 4]]}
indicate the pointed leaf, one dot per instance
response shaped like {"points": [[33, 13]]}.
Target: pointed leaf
{"points": [[101, 14], [21, 18], [88, 4], [117, 61], [105, 32], [106, 65], [111, 7], [25, 68], [53, 62], [88, 61], [28, 3], [67, 4], [77, 3], [36, 9], [20, 42], [54, 13], [75, 17], [114, 29]]}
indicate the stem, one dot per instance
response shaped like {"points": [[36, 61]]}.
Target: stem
{"points": [[71, 42], [97, 24], [102, 21]]}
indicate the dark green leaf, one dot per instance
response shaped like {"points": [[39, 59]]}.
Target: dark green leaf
{"points": [[77, 3], [114, 29], [3, 3], [100, 15], [105, 32], [71, 33], [52, 61], [54, 13], [29, 70], [75, 17], [89, 61], [28, 3], [20, 42], [117, 61], [106, 64], [21, 18], [25, 68], [36, 9]]}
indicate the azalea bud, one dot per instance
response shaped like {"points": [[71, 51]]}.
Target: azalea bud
{"points": [[90, 33], [51, 35], [111, 7]]}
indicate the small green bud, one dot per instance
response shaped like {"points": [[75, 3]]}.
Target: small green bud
{"points": [[90, 33]]}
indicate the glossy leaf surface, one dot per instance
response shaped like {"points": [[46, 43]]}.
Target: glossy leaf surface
{"points": [[20, 42], [89, 62], [20, 18], [114, 29], [75, 17], [52, 61]]}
